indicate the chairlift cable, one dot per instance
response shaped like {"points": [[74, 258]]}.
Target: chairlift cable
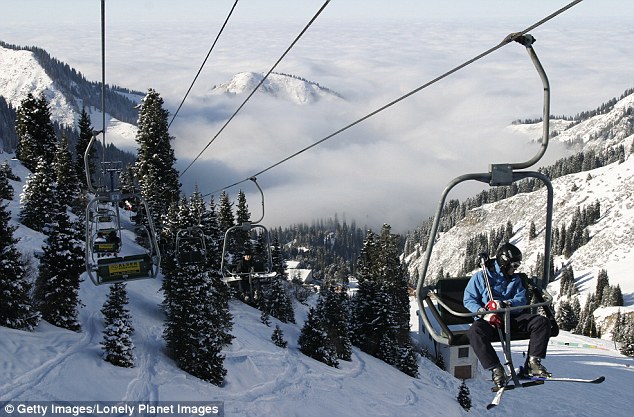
{"points": [[203, 64], [103, 78], [510, 38], [258, 85]]}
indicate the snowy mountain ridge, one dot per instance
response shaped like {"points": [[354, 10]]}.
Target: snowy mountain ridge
{"points": [[21, 73], [597, 132], [281, 86]]}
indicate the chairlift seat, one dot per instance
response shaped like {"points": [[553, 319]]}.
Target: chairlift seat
{"points": [[451, 292]]}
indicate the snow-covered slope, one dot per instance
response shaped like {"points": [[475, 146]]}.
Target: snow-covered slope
{"points": [[280, 86], [21, 74], [51, 364]]}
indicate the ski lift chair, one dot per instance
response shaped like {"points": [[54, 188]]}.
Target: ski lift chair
{"points": [[190, 246], [443, 301]]}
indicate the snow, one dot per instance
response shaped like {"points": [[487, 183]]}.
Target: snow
{"points": [[22, 74], [52, 364]]}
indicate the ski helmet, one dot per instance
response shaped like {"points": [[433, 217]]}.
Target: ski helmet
{"points": [[508, 255]]}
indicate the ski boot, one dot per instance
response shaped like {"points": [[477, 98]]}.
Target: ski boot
{"points": [[499, 376], [536, 369]]}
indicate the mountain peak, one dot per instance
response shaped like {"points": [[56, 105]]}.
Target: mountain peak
{"points": [[282, 86]]}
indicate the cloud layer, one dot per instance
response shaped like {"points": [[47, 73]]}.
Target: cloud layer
{"points": [[390, 168]]}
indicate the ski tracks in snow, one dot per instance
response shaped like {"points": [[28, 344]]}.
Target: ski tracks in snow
{"points": [[63, 350]]}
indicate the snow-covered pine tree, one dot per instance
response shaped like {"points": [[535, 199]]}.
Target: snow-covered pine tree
{"points": [[380, 309], [276, 302], [67, 190], [6, 190], [213, 234], [225, 212], [8, 172], [277, 259], [38, 197], [464, 396], [36, 135], [242, 238], [625, 334], [196, 304], [60, 269], [196, 328], [278, 337], [16, 309], [117, 336], [314, 342], [85, 135], [335, 321], [158, 179]]}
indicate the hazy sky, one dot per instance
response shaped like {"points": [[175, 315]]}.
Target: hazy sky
{"points": [[390, 168]]}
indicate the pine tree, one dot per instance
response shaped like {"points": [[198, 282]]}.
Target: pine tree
{"points": [[36, 135], [67, 189], [117, 336], [276, 302], [197, 325], [335, 321], [6, 190], [314, 342], [602, 282], [155, 162], [625, 335], [85, 135], [225, 212], [565, 316], [532, 231], [278, 337], [213, 234], [277, 259], [16, 309], [60, 269], [380, 309], [38, 197], [464, 396]]}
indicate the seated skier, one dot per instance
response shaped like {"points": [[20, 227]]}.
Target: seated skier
{"points": [[507, 291]]}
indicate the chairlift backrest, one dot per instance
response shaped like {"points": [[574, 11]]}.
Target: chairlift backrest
{"points": [[190, 246], [262, 266]]}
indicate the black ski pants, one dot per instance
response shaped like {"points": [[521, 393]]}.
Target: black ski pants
{"points": [[482, 334]]}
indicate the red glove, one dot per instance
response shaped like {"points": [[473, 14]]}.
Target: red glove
{"points": [[493, 305], [494, 320]]}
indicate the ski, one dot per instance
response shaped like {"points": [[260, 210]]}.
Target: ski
{"points": [[500, 391], [496, 400], [555, 379]]}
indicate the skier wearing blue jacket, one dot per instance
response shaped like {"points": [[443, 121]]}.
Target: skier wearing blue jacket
{"points": [[508, 291]]}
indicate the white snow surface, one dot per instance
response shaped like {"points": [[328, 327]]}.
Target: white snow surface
{"points": [[52, 364], [22, 74]]}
